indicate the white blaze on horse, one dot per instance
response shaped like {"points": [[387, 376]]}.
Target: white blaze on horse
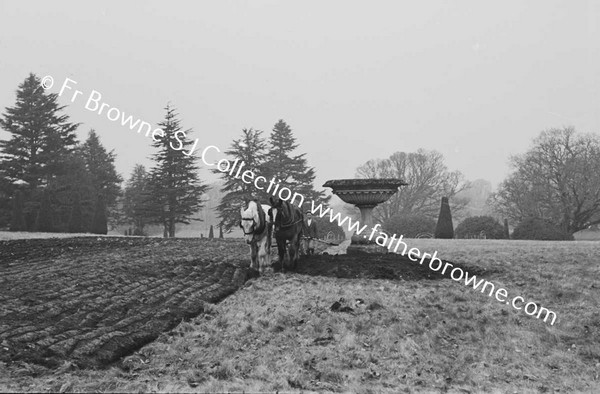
{"points": [[258, 227]]}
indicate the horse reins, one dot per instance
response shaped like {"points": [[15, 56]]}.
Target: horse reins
{"points": [[291, 224]]}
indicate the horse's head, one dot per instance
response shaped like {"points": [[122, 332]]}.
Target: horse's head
{"points": [[249, 221], [253, 220], [276, 202]]}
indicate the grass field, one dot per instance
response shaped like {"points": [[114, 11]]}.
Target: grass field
{"points": [[279, 333]]}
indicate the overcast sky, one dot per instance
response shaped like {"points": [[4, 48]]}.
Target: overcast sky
{"points": [[475, 80]]}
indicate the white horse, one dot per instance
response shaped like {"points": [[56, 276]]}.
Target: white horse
{"points": [[258, 227]]}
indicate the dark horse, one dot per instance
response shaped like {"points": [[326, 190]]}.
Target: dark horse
{"points": [[288, 220]]}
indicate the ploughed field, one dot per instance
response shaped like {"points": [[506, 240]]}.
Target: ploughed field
{"points": [[340, 323], [92, 300]]}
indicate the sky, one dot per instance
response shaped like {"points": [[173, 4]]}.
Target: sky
{"points": [[474, 80]]}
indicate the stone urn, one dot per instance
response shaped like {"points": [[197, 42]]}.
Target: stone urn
{"points": [[365, 194]]}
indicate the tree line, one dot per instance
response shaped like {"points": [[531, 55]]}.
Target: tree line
{"points": [[552, 191], [50, 181]]}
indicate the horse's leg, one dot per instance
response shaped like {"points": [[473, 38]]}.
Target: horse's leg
{"points": [[251, 262], [281, 251], [262, 256], [254, 256], [268, 252], [296, 253], [293, 251]]}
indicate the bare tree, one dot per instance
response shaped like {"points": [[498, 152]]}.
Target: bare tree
{"points": [[557, 179], [428, 181]]}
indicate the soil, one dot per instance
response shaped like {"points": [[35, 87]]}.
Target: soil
{"points": [[374, 266], [93, 300]]}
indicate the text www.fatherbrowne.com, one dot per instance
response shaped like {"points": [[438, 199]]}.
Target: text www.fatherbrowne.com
{"points": [[435, 264], [273, 187]]}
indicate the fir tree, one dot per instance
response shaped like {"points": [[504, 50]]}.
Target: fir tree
{"points": [[292, 170], [76, 181], [45, 222], [76, 217], [211, 233], [249, 149], [136, 197], [41, 139], [40, 136], [444, 228], [176, 189], [18, 218], [100, 164], [7, 202]]}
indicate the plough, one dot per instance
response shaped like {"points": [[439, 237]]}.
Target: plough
{"points": [[274, 244]]}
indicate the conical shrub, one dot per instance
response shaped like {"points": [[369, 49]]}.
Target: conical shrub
{"points": [[444, 228]]}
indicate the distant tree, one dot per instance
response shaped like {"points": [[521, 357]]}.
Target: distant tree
{"points": [[555, 180], [211, 233], [76, 217], [478, 225], [76, 180], [540, 229], [477, 196], [290, 169], [250, 149], [100, 164], [40, 141], [221, 232], [506, 230], [444, 228], [100, 222], [410, 226], [428, 181], [175, 187], [18, 218], [137, 203], [45, 220], [7, 193]]}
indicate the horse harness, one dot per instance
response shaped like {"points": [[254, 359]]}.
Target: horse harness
{"points": [[292, 223], [261, 226]]}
